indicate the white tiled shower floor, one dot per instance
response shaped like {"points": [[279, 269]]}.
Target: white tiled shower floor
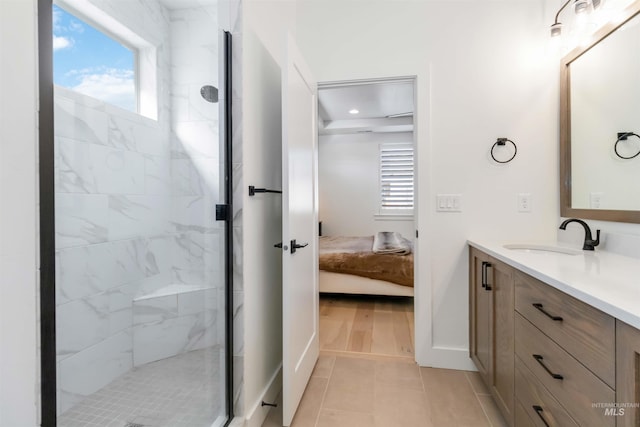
{"points": [[181, 391]]}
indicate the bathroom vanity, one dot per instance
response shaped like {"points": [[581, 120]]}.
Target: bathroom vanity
{"points": [[556, 335]]}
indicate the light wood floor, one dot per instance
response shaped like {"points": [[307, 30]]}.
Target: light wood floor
{"points": [[364, 390], [366, 375], [367, 324]]}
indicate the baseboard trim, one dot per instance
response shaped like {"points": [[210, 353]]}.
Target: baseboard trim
{"points": [[237, 422], [258, 413]]}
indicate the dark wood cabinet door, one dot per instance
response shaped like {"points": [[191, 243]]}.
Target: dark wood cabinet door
{"points": [[480, 315], [627, 375], [501, 280]]}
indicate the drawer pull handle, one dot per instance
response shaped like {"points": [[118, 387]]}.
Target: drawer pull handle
{"points": [[485, 266], [539, 411], [484, 274], [550, 316], [540, 359]]}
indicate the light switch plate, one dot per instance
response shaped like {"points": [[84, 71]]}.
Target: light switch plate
{"points": [[449, 203]]}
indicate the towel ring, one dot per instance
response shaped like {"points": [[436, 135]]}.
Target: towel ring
{"points": [[622, 136], [501, 142]]}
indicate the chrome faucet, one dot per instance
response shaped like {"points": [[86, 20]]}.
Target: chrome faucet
{"points": [[589, 243]]}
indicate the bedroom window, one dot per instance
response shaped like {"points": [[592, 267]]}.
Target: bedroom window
{"points": [[396, 179]]}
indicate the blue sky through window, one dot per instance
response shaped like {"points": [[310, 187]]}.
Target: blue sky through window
{"points": [[88, 61]]}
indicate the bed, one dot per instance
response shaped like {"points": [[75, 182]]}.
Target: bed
{"points": [[371, 265]]}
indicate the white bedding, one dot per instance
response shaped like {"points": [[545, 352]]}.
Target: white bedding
{"points": [[337, 283]]}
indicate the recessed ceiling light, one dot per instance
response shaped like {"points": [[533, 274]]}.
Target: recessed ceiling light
{"points": [[354, 111]]}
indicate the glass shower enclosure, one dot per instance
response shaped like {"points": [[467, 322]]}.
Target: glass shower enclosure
{"points": [[140, 258]]}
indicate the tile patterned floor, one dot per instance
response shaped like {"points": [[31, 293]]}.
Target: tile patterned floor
{"points": [[181, 391], [366, 374], [372, 391]]}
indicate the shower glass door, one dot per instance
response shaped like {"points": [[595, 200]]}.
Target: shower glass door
{"points": [[140, 258]]}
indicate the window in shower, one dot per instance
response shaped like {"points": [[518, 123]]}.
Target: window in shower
{"points": [[93, 62]]}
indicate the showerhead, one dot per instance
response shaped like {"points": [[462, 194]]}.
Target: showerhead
{"points": [[209, 93]]}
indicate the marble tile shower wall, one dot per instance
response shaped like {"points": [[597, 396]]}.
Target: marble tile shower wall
{"points": [[112, 236], [235, 26], [195, 148], [134, 200]]}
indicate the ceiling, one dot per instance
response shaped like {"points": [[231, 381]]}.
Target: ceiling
{"points": [[383, 107], [186, 4], [374, 100]]}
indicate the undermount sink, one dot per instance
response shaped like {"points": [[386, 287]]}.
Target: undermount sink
{"points": [[526, 247]]}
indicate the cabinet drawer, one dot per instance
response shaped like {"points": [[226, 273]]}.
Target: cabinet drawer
{"points": [[578, 388], [585, 332], [522, 418], [532, 395]]}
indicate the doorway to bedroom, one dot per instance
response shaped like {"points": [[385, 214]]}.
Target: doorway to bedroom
{"points": [[366, 188]]}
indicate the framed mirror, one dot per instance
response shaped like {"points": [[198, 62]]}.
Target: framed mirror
{"points": [[600, 124]]}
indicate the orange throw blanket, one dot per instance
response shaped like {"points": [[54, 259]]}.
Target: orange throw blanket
{"points": [[354, 255]]}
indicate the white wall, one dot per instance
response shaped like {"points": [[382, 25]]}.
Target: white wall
{"points": [[265, 26], [348, 179], [482, 73], [19, 341]]}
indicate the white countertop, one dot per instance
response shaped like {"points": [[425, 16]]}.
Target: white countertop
{"points": [[605, 280]]}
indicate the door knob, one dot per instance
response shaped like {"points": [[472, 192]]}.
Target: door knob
{"points": [[295, 246]]}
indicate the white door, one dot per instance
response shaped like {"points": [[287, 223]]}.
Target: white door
{"points": [[299, 230]]}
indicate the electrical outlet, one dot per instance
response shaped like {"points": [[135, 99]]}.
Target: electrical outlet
{"points": [[524, 202], [595, 200]]}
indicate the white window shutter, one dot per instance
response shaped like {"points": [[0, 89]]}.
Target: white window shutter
{"points": [[396, 176]]}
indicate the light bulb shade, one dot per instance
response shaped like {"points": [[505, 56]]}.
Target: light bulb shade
{"points": [[556, 30], [580, 6]]}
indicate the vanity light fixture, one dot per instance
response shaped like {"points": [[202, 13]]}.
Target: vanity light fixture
{"points": [[579, 7], [556, 28], [354, 111]]}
